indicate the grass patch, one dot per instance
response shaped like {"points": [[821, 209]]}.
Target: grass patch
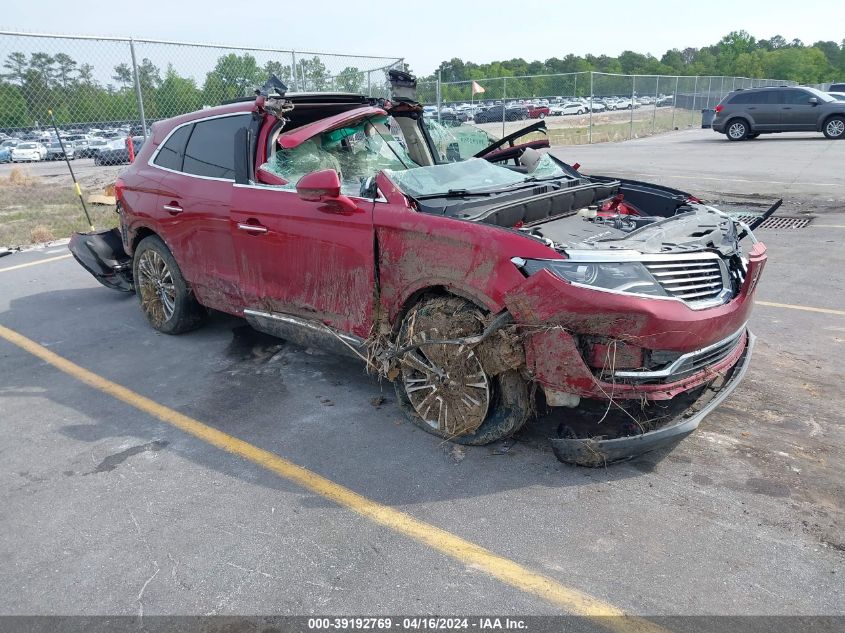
{"points": [[33, 211]]}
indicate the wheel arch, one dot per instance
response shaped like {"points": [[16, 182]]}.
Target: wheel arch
{"points": [[431, 289], [740, 117]]}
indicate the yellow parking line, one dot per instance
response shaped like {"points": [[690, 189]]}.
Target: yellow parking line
{"points": [[40, 261], [465, 552], [805, 308]]}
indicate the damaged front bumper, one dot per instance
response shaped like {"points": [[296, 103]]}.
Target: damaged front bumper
{"points": [[596, 451]]}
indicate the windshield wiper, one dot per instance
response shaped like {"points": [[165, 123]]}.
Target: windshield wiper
{"points": [[454, 193]]}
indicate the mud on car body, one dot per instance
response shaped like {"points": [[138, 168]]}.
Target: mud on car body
{"points": [[470, 281]]}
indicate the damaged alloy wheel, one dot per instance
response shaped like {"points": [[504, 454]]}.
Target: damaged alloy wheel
{"points": [[166, 301], [444, 388]]}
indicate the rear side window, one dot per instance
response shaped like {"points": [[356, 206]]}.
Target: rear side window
{"points": [[741, 98], [211, 147], [766, 97], [171, 153]]}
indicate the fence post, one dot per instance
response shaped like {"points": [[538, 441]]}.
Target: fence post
{"points": [[709, 93], [439, 94], [294, 77], [138, 94], [656, 97], [694, 94], [591, 107], [369, 83], [675, 101], [633, 92], [504, 102], [575, 89]]}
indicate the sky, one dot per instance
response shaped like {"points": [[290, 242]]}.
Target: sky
{"points": [[426, 33]]}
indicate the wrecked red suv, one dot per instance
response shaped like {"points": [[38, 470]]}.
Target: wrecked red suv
{"points": [[334, 220]]}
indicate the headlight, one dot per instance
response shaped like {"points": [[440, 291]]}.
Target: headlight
{"points": [[630, 277]]}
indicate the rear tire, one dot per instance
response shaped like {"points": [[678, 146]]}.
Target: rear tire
{"points": [[166, 300], [834, 127], [444, 389], [737, 130]]}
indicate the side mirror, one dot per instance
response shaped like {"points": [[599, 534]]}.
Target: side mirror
{"points": [[324, 186], [814, 101]]}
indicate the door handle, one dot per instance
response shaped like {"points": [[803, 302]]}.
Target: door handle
{"points": [[787, 107], [252, 228], [173, 208]]}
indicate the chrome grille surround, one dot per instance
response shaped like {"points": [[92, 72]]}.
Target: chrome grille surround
{"points": [[687, 364]]}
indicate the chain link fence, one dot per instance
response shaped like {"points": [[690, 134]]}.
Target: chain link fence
{"points": [[585, 107], [101, 83]]}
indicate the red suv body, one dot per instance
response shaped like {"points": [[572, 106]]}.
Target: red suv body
{"points": [[333, 220]]}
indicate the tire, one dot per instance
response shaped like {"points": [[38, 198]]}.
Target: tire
{"points": [[444, 388], [542, 115], [834, 127], [736, 130], [166, 300]]}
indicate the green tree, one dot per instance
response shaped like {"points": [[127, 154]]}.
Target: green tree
{"points": [[350, 79], [17, 66], [177, 95], [122, 74], [65, 67], [233, 76]]}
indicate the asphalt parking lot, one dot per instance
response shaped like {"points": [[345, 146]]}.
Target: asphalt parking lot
{"points": [[142, 513]]}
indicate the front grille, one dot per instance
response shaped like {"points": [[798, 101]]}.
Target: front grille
{"points": [[687, 364], [697, 279]]}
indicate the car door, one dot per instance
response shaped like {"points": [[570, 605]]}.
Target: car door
{"points": [[797, 113], [195, 195], [303, 258], [764, 107]]}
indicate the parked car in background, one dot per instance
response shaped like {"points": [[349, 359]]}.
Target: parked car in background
{"points": [[595, 105], [10, 142], [5, 154], [118, 152], [838, 87], [80, 144], [570, 107], [55, 151], [839, 96], [748, 113], [538, 112], [28, 151], [95, 144], [497, 113]]}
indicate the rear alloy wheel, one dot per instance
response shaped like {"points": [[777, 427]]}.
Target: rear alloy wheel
{"points": [[444, 388], [834, 127], [737, 130], [166, 301]]}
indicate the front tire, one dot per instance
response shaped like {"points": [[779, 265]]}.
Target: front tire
{"points": [[736, 130], [444, 389], [166, 300], [834, 127]]}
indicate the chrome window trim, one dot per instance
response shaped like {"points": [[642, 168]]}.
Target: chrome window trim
{"points": [[261, 185], [674, 365], [154, 155]]}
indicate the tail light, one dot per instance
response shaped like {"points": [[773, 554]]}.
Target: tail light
{"points": [[719, 108], [119, 185]]}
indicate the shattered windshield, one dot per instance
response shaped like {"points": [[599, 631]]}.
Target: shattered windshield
{"points": [[470, 176], [356, 152]]}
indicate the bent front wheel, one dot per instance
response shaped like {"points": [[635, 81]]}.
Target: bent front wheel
{"points": [[444, 388]]}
